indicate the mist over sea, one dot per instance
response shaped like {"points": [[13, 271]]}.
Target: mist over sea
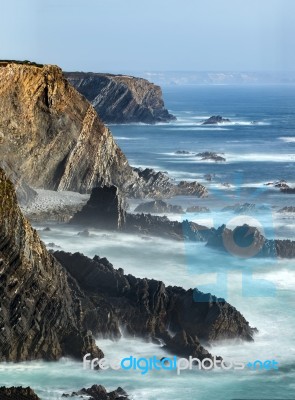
{"points": [[258, 145]]}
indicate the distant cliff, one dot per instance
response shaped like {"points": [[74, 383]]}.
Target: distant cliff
{"points": [[121, 98]]}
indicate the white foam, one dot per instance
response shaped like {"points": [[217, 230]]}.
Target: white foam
{"points": [[128, 138], [287, 139]]}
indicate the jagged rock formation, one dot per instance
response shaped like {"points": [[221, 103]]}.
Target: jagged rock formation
{"points": [[211, 156], [39, 317], [158, 185], [147, 308], [120, 98], [158, 207], [105, 209], [98, 392], [216, 119], [17, 393]]}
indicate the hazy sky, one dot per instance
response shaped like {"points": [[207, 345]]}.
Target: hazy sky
{"points": [[146, 35]]}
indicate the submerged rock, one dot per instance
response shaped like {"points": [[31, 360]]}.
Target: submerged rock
{"points": [[121, 98]]}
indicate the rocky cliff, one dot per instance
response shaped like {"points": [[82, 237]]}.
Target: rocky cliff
{"points": [[121, 98], [52, 135], [39, 317], [52, 138]]}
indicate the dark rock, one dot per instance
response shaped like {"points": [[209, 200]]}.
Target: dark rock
{"points": [[289, 209], [282, 184], [17, 393], [121, 98], [288, 190], [209, 177], [216, 119], [105, 209], [197, 209], [40, 315], [158, 206], [98, 392], [47, 229], [184, 152], [146, 307], [209, 155]]}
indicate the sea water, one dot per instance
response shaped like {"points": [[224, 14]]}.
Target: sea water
{"points": [[258, 145]]}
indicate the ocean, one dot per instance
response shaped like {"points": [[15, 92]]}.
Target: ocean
{"points": [[258, 145]]}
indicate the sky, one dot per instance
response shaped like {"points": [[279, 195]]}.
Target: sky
{"points": [[151, 35]]}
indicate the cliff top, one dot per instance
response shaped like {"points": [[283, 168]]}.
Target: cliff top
{"points": [[4, 63]]}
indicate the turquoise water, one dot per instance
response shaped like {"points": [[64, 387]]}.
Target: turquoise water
{"points": [[255, 153]]}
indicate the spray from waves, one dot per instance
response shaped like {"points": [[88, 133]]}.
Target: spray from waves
{"points": [[287, 139]]}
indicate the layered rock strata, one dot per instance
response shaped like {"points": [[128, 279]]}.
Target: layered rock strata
{"points": [[121, 98]]}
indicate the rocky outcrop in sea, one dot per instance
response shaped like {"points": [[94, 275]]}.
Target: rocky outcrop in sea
{"points": [[121, 99], [147, 308], [216, 119]]}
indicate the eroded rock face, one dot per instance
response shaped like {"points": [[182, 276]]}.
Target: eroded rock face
{"points": [[40, 317], [105, 209], [120, 98], [147, 308], [52, 135]]}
